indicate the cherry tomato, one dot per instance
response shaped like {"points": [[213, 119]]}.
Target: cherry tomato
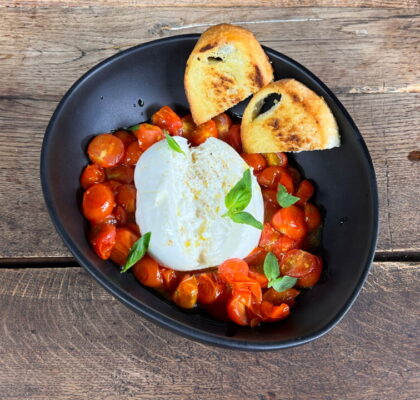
{"points": [[286, 180], [256, 161], [102, 239], [126, 197], [120, 215], [234, 138], [147, 135], [271, 313], [133, 228], [132, 154], [170, 278], [312, 278], [304, 191], [203, 132], [283, 245], [98, 202], [233, 269], [113, 185], [256, 257], [208, 288], [186, 293], [188, 126], [109, 219], [124, 241], [269, 177], [247, 283], [258, 277], [312, 217], [147, 272], [223, 124], [290, 221], [92, 174], [279, 159], [269, 210], [106, 150], [269, 237], [286, 296], [270, 195], [298, 263], [295, 174], [120, 173], [126, 137], [167, 119], [238, 305]]}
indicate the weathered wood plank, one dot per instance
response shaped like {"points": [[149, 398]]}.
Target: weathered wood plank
{"points": [[64, 337]]}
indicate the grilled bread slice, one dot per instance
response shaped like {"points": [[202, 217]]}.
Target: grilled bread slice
{"points": [[299, 120], [226, 66]]}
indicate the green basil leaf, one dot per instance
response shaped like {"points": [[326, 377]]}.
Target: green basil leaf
{"points": [[133, 128], [271, 266], [137, 252], [240, 195], [282, 283], [245, 218], [172, 143], [284, 198]]}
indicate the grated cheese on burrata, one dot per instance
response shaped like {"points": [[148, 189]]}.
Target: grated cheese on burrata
{"points": [[180, 200]]}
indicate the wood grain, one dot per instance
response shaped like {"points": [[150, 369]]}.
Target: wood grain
{"points": [[64, 337]]}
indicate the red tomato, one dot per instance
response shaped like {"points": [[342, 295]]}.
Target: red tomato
{"points": [[286, 296], [126, 137], [208, 288], [312, 278], [120, 173], [120, 215], [256, 257], [126, 197], [305, 191], [238, 305], [234, 138], [312, 217], [295, 174], [92, 174], [259, 277], [133, 228], [233, 269], [270, 195], [269, 210], [247, 283], [286, 180], [102, 239], [271, 313], [147, 135], [290, 221], [256, 161], [186, 293], [98, 202], [298, 263], [109, 219], [113, 185], [167, 119], [269, 237], [132, 154], [106, 150], [147, 272], [188, 126], [124, 241], [203, 132], [170, 278], [268, 178], [283, 245], [223, 124]]}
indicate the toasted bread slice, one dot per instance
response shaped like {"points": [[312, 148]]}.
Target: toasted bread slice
{"points": [[226, 66], [300, 120]]}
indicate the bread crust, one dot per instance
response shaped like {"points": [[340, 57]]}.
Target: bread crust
{"points": [[300, 121], [226, 66]]}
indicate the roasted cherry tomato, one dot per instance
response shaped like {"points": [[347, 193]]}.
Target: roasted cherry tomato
{"points": [[286, 296], [271, 313], [98, 202], [312, 278], [238, 305], [109, 219], [170, 278], [256, 257], [147, 272], [270, 195], [298, 263], [106, 150], [147, 135], [124, 241], [167, 119], [269, 210], [102, 238], [286, 180], [304, 191], [92, 174], [269, 177], [290, 221], [234, 138], [256, 161], [247, 283], [126, 137], [133, 228], [188, 126], [233, 269], [258, 277], [120, 173], [186, 293], [312, 217], [295, 174], [208, 288], [113, 185], [279, 159], [283, 245], [223, 124], [132, 154], [203, 132], [120, 215], [126, 197], [269, 237]]}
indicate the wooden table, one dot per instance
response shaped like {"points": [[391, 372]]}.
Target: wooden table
{"points": [[64, 337]]}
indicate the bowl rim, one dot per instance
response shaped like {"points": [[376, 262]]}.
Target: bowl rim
{"points": [[160, 318]]}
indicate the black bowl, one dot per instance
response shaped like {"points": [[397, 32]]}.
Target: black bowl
{"points": [[110, 96]]}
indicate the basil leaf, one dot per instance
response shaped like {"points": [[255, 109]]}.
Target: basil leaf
{"points": [[137, 252], [245, 218], [284, 198], [133, 128], [282, 283], [172, 143], [271, 266], [240, 195]]}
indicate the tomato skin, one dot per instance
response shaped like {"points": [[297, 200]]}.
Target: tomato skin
{"points": [[124, 241], [286, 180], [106, 150], [290, 221], [98, 202], [268, 178], [269, 237], [126, 137], [269, 210], [312, 278], [286, 296], [92, 174], [102, 239], [298, 263], [133, 227], [270, 195], [147, 135], [256, 257], [223, 124], [258, 277], [283, 245], [120, 173], [234, 137], [147, 272], [233, 269], [256, 161], [170, 278], [247, 283], [237, 307], [203, 132], [167, 119], [186, 293], [126, 197], [132, 154], [113, 185], [305, 191], [312, 217], [271, 313], [278, 159], [188, 126], [208, 288]]}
